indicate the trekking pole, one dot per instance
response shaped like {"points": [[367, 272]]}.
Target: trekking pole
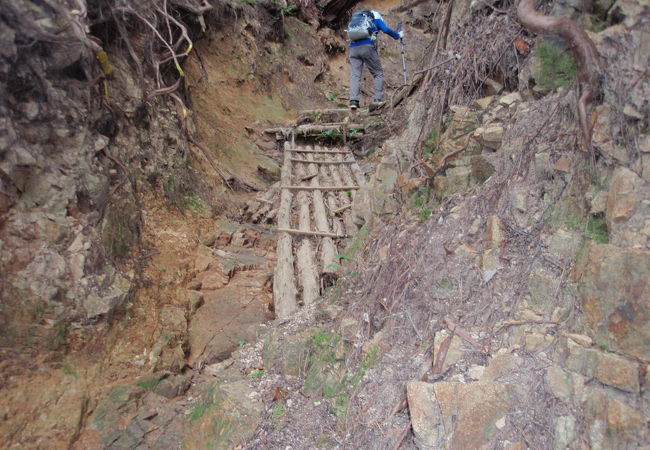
{"points": [[401, 41]]}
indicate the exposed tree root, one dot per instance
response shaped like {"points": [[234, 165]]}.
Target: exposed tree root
{"points": [[589, 62]]}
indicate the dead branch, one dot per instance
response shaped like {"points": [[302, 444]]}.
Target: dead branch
{"points": [[451, 58], [216, 169], [589, 61], [455, 328]]}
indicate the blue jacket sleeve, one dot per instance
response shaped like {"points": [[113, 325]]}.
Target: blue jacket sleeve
{"points": [[382, 26]]}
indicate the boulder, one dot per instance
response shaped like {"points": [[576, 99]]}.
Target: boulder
{"points": [[425, 415], [483, 103], [622, 197], [470, 411], [286, 354], [490, 136], [510, 99]]}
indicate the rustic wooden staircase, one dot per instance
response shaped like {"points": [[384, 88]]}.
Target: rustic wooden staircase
{"points": [[317, 186]]}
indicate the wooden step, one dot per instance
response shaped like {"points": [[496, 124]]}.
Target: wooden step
{"points": [[333, 152], [306, 161], [310, 233], [320, 188]]}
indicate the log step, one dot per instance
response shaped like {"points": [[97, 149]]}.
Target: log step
{"points": [[320, 188], [306, 150], [306, 161], [310, 233]]}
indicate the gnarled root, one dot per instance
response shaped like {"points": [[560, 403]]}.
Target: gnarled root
{"points": [[589, 62]]}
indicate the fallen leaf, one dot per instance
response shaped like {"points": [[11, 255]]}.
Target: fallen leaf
{"points": [[522, 46], [279, 394]]}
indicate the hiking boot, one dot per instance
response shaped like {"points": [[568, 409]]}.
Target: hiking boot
{"points": [[354, 105]]}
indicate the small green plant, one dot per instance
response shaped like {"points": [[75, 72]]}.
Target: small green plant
{"points": [[331, 96], [446, 121], [343, 256], [203, 405], [425, 214], [256, 373], [358, 242], [277, 412], [596, 229], [596, 24], [288, 10], [375, 123], [149, 383], [420, 200], [198, 411], [431, 143], [194, 203], [557, 66], [242, 342], [329, 136]]}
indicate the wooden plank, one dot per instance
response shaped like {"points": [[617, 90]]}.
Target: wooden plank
{"points": [[284, 289], [298, 160], [343, 199], [310, 233], [319, 188], [300, 150], [306, 265], [328, 249]]}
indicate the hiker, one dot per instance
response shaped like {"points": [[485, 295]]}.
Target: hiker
{"points": [[362, 31]]}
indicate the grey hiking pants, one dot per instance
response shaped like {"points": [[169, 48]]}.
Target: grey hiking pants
{"points": [[366, 54]]}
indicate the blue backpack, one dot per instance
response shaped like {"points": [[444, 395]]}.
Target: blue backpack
{"points": [[361, 26]]}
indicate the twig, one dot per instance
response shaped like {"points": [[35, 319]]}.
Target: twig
{"points": [[216, 169], [435, 65], [455, 328], [408, 314], [402, 436]]}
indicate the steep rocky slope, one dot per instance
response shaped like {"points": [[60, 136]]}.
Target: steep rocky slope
{"points": [[496, 295]]}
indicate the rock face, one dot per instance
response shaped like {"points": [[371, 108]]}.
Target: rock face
{"points": [[613, 286], [225, 416], [436, 408], [66, 204]]}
